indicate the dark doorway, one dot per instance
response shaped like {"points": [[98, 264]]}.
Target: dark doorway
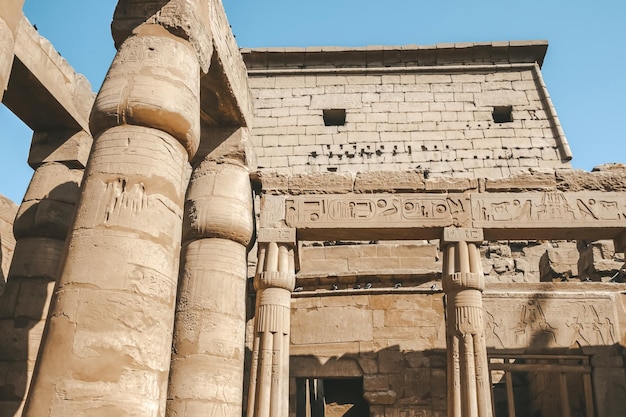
{"points": [[337, 397]]}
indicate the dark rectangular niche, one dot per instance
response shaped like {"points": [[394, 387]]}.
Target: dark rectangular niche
{"points": [[502, 114], [334, 117]]}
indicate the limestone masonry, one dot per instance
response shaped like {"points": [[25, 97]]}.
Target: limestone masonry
{"points": [[302, 232]]}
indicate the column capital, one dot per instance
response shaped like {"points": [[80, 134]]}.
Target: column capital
{"points": [[461, 281], [274, 279], [462, 234]]}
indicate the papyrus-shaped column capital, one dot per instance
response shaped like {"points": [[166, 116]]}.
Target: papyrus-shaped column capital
{"points": [[469, 390], [274, 280]]}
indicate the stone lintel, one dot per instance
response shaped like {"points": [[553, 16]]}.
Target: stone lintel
{"points": [[565, 180], [224, 90], [44, 90], [11, 12], [65, 146], [283, 235], [462, 234], [589, 215], [225, 145]]}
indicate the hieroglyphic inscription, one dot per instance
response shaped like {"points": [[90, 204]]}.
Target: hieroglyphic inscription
{"points": [[551, 207], [389, 210], [462, 234], [282, 235], [518, 320]]}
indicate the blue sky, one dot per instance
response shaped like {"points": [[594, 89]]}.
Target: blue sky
{"points": [[584, 67]]}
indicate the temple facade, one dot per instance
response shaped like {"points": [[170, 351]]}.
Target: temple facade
{"points": [[302, 232]]}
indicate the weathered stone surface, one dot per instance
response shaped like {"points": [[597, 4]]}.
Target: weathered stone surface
{"points": [[10, 14], [67, 147], [552, 319], [322, 183], [60, 99], [209, 328], [612, 167], [376, 182], [599, 262], [458, 142], [577, 180], [381, 397], [559, 262], [8, 210], [174, 107], [204, 25], [522, 181], [117, 291], [405, 113]]}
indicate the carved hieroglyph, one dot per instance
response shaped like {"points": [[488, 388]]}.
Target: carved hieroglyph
{"points": [[107, 348], [527, 215], [274, 280], [386, 209], [549, 208], [469, 389]]}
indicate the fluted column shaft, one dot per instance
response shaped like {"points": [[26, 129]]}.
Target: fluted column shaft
{"points": [[107, 346], [469, 390], [40, 228], [209, 333], [269, 374]]}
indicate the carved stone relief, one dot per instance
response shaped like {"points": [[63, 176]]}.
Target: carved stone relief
{"points": [[388, 210], [549, 320], [547, 208]]}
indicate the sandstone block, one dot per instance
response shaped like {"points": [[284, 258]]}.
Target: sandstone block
{"points": [[69, 148]]}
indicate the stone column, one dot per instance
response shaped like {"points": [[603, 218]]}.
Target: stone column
{"points": [[274, 281], [107, 346], [40, 228], [10, 16], [469, 390], [209, 333]]}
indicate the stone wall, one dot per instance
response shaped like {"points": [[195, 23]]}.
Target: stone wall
{"points": [[394, 341], [434, 119], [347, 265]]}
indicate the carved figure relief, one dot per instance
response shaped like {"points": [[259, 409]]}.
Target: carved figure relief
{"points": [[533, 325], [124, 201], [588, 328], [519, 321]]}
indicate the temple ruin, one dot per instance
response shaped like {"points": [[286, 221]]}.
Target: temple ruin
{"points": [[303, 232]]}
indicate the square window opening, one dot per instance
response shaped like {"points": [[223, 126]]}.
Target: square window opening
{"points": [[334, 117], [503, 114]]}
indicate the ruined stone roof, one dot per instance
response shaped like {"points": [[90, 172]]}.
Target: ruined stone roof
{"points": [[466, 53]]}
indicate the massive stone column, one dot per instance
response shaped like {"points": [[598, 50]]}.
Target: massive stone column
{"points": [[274, 281], [107, 345], [40, 228], [10, 16], [209, 334], [469, 390]]}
